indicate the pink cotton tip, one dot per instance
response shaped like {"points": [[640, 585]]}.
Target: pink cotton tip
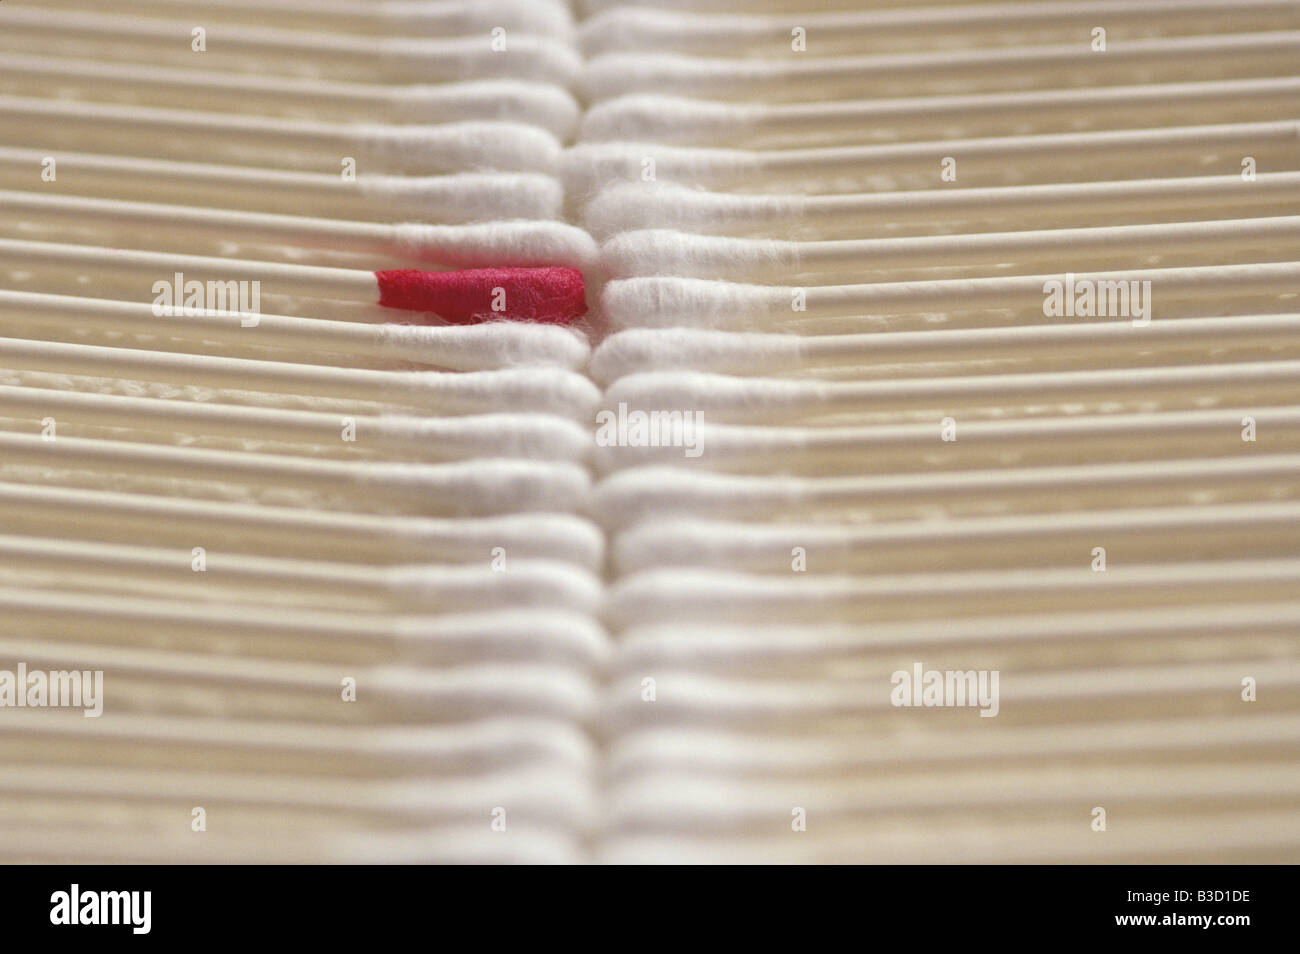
{"points": [[551, 295]]}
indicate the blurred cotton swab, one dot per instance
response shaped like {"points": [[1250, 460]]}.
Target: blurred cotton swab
{"points": [[554, 295], [507, 242]]}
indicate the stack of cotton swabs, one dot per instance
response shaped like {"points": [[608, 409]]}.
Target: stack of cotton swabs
{"points": [[331, 566], [932, 492], [982, 538]]}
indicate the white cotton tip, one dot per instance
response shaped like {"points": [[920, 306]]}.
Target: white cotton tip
{"points": [[628, 497], [540, 390], [671, 120], [490, 346], [588, 167], [482, 487], [525, 435], [456, 147], [505, 635], [550, 107], [525, 243], [619, 74], [640, 205], [665, 302], [636, 350], [550, 18], [548, 584], [724, 398], [669, 252], [468, 197]]}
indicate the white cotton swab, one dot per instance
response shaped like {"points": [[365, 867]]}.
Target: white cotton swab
{"points": [[266, 744], [1025, 540], [398, 59], [292, 632], [1115, 154], [666, 252], [394, 17], [467, 488], [642, 750], [745, 400], [630, 496], [292, 690], [351, 750], [294, 144], [290, 531], [835, 31], [665, 302], [968, 70], [628, 206], [680, 121], [730, 598], [714, 647], [523, 435], [489, 346], [1087, 343], [543, 390], [902, 801], [550, 107], [448, 200], [511, 242], [250, 578], [910, 447]]}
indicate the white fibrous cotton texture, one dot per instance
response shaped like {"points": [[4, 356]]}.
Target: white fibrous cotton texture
{"points": [[922, 484]]}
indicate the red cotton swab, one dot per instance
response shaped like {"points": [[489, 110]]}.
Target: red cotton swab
{"points": [[552, 295], [179, 283]]}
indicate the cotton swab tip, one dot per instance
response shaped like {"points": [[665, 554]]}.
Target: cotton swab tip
{"points": [[550, 295]]}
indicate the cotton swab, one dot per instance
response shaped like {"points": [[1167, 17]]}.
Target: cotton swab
{"points": [[629, 496], [628, 206], [350, 750], [685, 595], [839, 31], [550, 107], [292, 689], [294, 144], [510, 242], [396, 17], [1124, 153], [1217, 533], [289, 531], [663, 301], [481, 347], [714, 748], [545, 294], [471, 488], [718, 648], [522, 435], [545, 390], [294, 52], [726, 399], [755, 448], [970, 70], [693, 122], [250, 578], [665, 252], [292, 632], [747, 354], [449, 200]]}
